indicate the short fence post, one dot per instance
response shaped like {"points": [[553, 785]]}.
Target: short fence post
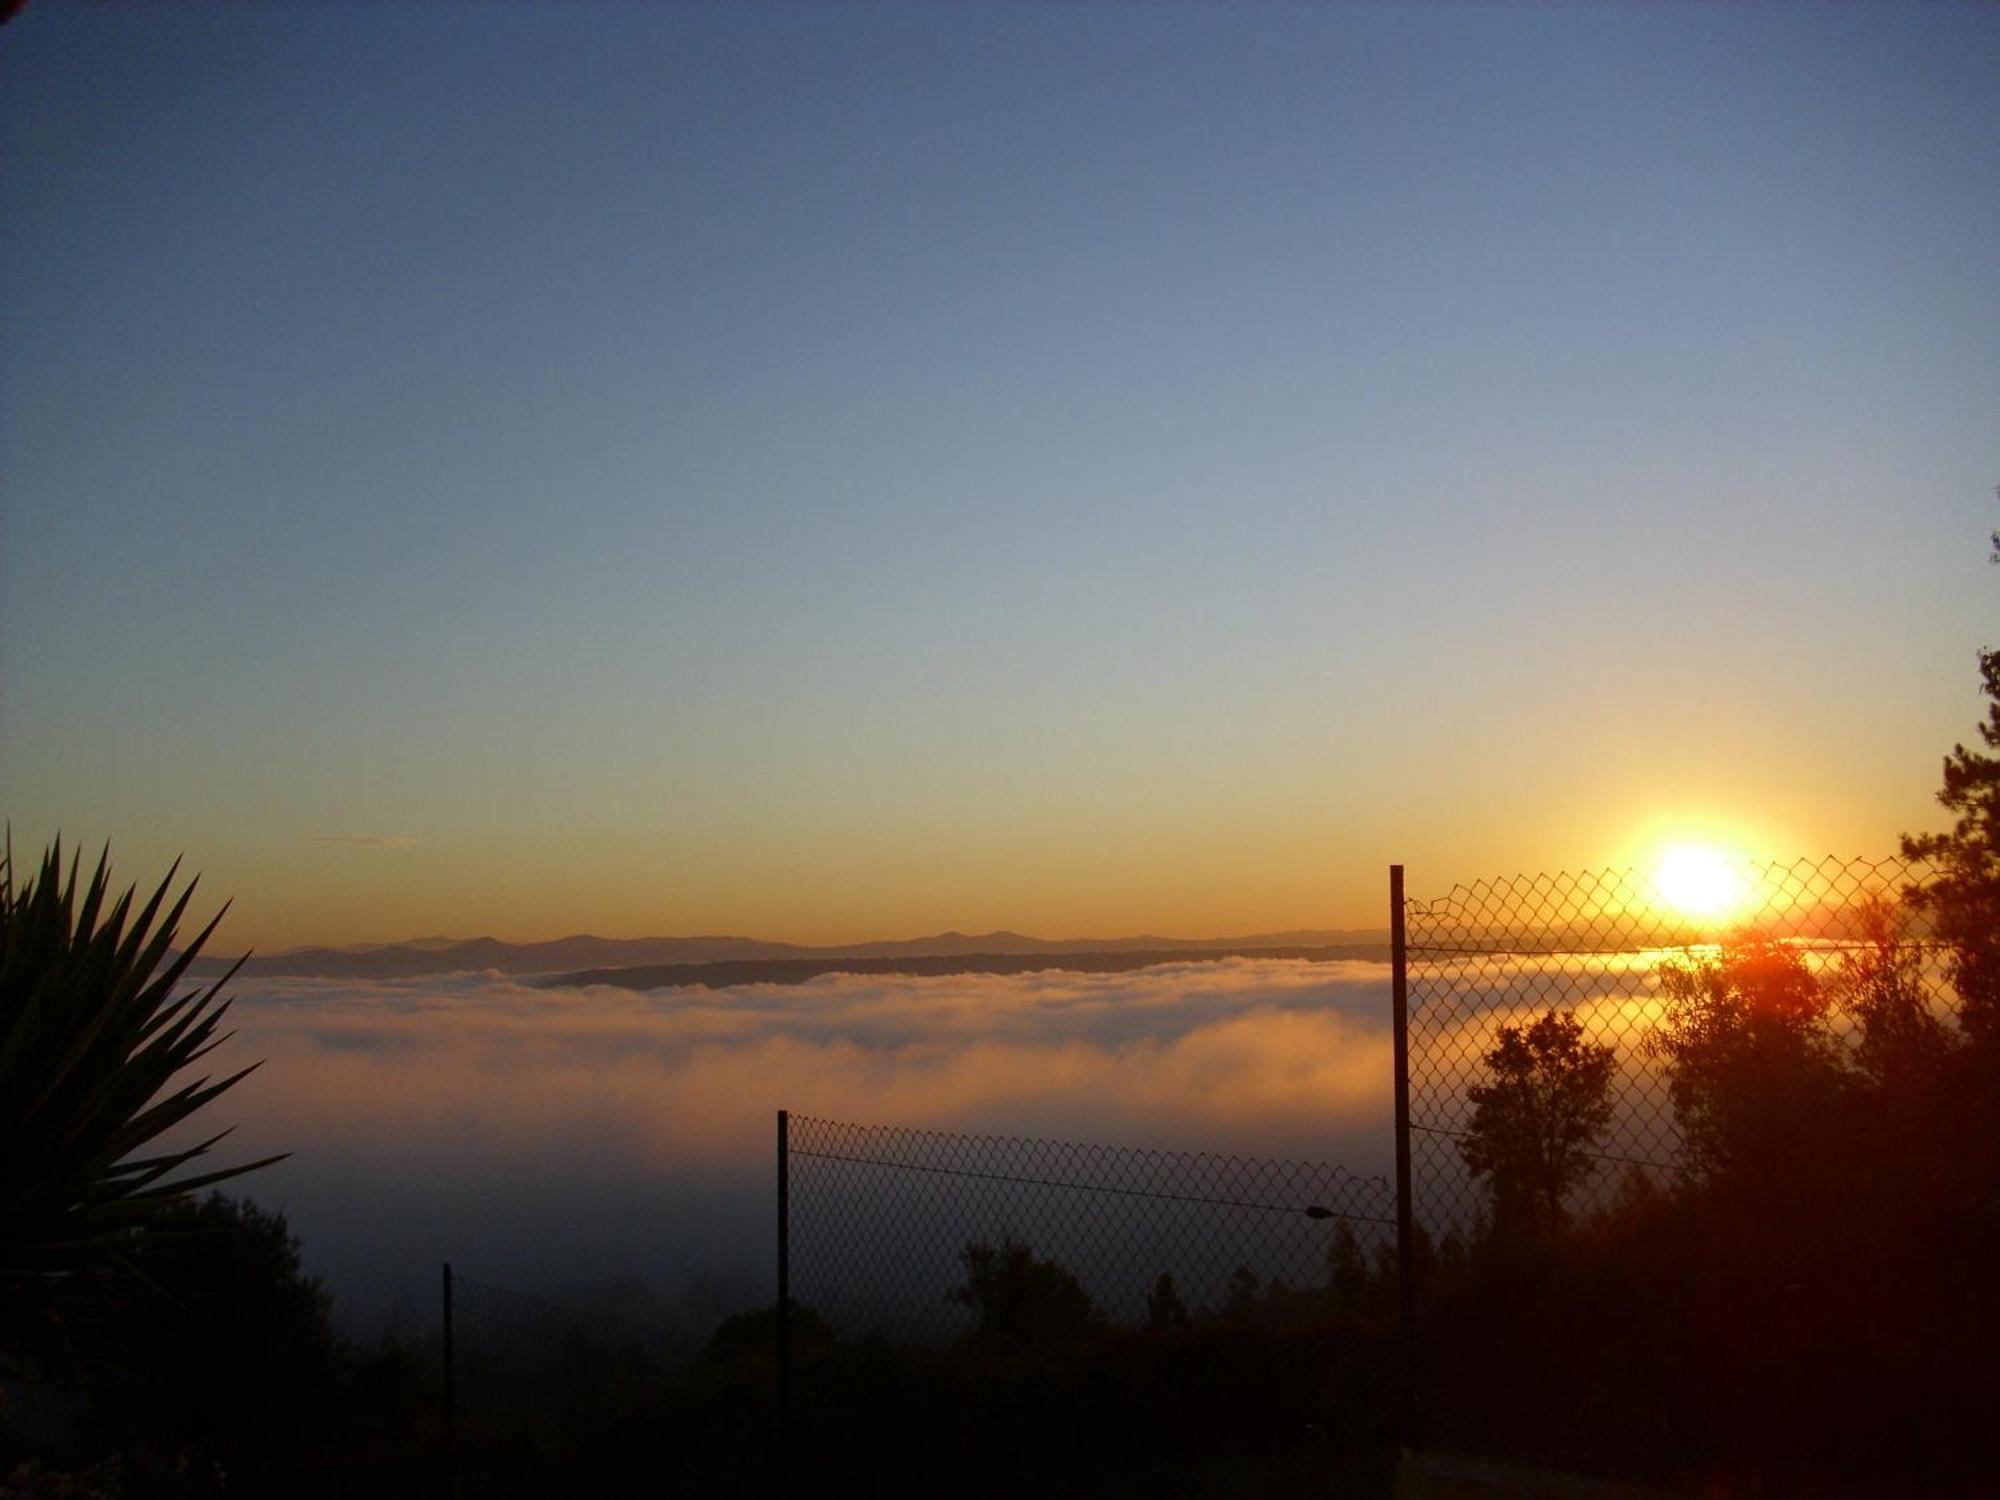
{"points": [[450, 1396], [1405, 1224], [784, 1261]]}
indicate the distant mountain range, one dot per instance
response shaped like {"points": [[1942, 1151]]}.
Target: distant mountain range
{"points": [[599, 958], [724, 972]]}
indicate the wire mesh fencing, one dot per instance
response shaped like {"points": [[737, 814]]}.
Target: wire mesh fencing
{"points": [[929, 1237], [1844, 942]]}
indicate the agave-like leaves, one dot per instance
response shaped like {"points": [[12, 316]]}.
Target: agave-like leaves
{"points": [[93, 1043]]}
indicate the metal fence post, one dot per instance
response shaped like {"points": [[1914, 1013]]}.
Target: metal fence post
{"points": [[784, 1260], [450, 1396], [1400, 1001]]}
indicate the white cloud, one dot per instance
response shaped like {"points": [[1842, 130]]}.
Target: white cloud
{"points": [[542, 1134]]}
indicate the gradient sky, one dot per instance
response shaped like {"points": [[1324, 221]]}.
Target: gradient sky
{"points": [[841, 472]]}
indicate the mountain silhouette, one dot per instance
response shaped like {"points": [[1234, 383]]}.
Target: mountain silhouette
{"points": [[583, 952], [725, 972]]}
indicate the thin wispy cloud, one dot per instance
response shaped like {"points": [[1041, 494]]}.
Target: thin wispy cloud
{"points": [[362, 840]]}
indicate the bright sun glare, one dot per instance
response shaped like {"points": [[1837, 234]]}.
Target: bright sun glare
{"points": [[1698, 881]]}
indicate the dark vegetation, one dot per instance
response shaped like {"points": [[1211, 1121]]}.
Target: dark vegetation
{"points": [[225, 1378], [152, 1341], [1277, 1392], [242, 1392], [93, 1046], [1811, 1305], [1546, 1099]]}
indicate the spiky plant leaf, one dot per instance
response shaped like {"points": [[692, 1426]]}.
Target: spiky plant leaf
{"points": [[94, 1044]]}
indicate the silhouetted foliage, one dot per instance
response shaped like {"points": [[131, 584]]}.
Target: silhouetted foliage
{"points": [[1547, 1098], [1244, 1289], [1810, 1303], [1964, 893], [1346, 1269], [1164, 1308], [1021, 1301], [1209, 1409], [93, 1046], [1752, 1067], [748, 1341], [234, 1326], [1904, 1044], [225, 1376]]}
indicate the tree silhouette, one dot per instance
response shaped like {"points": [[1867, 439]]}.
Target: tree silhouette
{"points": [[1903, 1045], [239, 1338], [1963, 900], [1164, 1307], [1245, 1288], [1547, 1098], [1752, 1065], [1022, 1301], [1346, 1269], [747, 1342], [1964, 895]]}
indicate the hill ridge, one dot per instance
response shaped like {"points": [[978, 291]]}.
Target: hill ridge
{"points": [[588, 952]]}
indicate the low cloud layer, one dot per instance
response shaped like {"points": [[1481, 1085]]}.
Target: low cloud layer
{"points": [[549, 1137], [363, 840]]}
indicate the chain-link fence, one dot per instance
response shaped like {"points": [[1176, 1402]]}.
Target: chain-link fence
{"points": [[1698, 1164], [927, 1236], [1611, 949]]}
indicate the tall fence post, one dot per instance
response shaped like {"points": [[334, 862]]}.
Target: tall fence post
{"points": [[1406, 1258], [450, 1396], [784, 1261]]}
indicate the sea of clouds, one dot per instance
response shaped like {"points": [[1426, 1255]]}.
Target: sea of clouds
{"points": [[570, 1141]]}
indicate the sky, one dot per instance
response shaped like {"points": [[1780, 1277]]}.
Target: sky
{"points": [[841, 472]]}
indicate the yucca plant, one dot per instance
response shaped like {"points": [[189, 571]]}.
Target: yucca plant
{"points": [[94, 1044]]}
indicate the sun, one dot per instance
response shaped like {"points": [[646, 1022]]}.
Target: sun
{"points": [[1698, 881]]}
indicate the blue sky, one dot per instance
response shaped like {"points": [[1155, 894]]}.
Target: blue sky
{"points": [[844, 471]]}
